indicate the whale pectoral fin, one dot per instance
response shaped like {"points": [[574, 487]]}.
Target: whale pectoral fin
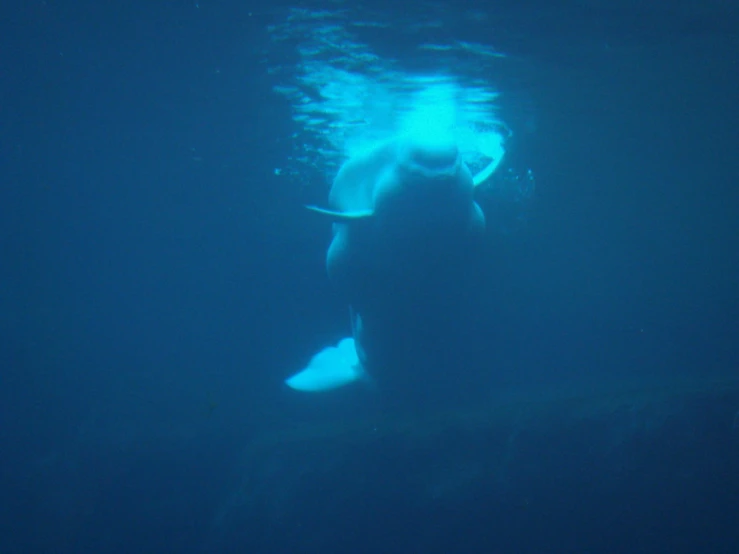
{"points": [[485, 174], [492, 146], [332, 368], [342, 217]]}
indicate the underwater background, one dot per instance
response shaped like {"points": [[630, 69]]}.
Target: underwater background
{"points": [[160, 278]]}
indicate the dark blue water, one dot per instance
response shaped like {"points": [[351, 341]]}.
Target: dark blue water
{"points": [[158, 283]]}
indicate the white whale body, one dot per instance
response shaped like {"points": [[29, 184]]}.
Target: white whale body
{"points": [[396, 209]]}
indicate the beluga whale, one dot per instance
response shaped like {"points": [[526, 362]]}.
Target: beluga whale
{"points": [[401, 212]]}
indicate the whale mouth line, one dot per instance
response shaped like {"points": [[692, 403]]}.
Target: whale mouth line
{"points": [[437, 167], [430, 157]]}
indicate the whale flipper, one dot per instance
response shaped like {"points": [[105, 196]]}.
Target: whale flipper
{"points": [[491, 146], [332, 368], [342, 217]]}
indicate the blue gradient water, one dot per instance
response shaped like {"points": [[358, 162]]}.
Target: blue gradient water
{"points": [[160, 278]]}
